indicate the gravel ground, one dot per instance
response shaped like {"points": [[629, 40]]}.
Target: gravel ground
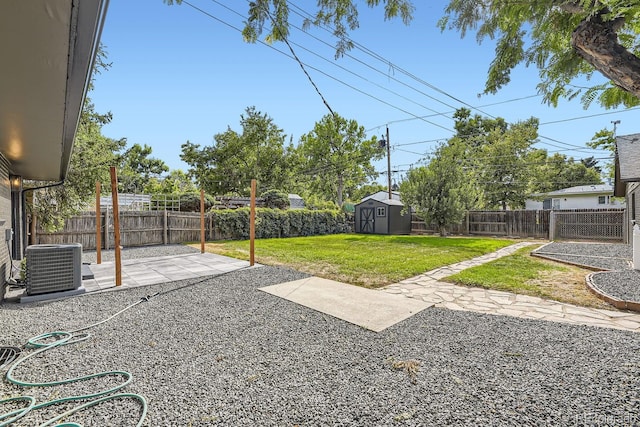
{"points": [[140, 252], [623, 284], [620, 282], [596, 262], [217, 351]]}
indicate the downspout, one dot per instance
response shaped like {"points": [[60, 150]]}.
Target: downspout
{"points": [[23, 206]]}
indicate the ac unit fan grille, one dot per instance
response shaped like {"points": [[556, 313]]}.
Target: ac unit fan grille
{"points": [[52, 268]]}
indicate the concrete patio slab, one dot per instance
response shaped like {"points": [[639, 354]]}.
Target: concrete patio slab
{"points": [[370, 309]]}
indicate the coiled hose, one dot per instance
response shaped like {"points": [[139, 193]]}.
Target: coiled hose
{"points": [[64, 338]]}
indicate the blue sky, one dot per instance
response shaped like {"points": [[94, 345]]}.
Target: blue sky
{"points": [[183, 74]]}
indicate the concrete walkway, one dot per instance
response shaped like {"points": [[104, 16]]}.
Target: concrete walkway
{"points": [[428, 288]]}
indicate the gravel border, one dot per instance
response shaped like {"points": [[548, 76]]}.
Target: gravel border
{"points": [[616, 283], [217, 351], [623, 285], [139, 252]]}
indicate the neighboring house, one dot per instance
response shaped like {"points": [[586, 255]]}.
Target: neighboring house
{"points": [[627, 183], [47, 52], [377, 214], [598, 196]]}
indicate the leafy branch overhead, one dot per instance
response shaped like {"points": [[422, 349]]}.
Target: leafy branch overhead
{"points": [[565, 40]]}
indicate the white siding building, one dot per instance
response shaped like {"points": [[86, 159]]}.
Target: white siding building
{"points": [[598, 196]]}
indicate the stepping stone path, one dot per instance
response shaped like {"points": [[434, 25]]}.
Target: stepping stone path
{"points": [[428, 287]]}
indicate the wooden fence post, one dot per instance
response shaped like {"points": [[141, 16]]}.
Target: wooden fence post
{"points": [[165, 224], [106, 229], [552, 225], [202, 237], [98, 225], [252, 223], [116, 224]]}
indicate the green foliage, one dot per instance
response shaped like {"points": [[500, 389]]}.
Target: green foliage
{"points": [[441, 192], [227, 166], [137, 168], [313, 202], [92, 155], [177, 182], [275, 199], [366, 190], [341, 15], [363, 259], [494, 154], [273, 223], [190, 202], [336, 158], [550, 173], [541, 34], [605, 139]]}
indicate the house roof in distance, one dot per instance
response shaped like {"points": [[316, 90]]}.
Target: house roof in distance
{"points": [[580, 190]]}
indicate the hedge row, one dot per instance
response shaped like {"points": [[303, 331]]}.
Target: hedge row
{"points": [[233, 224]]}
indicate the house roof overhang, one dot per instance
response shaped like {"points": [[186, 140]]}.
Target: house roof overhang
{"points": [[627, 162], [48, 51]]}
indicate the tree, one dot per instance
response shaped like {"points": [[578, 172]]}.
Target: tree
{"points": [[605, 139], [550, 173], [336, 158], [441, 192], [137, 167], [176, 182], [227, 166], [495, 153], [564, 39]]}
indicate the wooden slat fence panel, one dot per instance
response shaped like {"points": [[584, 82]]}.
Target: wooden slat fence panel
{"points": [[493, 223], [139, 228], [77, 229], [184, 227]]}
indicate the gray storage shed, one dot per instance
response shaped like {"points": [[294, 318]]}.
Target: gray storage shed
{"points": [[381, 217]]}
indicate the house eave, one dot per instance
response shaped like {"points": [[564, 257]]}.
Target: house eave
{"points": [[46, 72]]}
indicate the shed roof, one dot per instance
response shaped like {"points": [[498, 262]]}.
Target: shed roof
{"points": [[382, 195], [388, 202]]}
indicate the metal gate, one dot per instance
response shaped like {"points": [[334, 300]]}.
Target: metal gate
{"points": [[367, 220]]}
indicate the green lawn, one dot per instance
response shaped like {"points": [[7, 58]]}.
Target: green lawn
{"points": [[521, 273], [362, 259]]}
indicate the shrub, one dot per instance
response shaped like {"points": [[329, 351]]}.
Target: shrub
{"points": [[190, 202], [276, 199]]}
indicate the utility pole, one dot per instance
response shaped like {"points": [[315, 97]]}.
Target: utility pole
{"points": [[389, 164], [615, 122], [385, 142]]}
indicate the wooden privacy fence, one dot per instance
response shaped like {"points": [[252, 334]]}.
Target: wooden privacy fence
{"points": [[587, 224], [142, 228]]}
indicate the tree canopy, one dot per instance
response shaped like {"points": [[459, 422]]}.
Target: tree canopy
{"points": [[440, 192], [336, 157], [228, 165]]}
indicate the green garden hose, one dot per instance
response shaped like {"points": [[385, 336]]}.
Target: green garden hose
{"points": [[64, 338]]}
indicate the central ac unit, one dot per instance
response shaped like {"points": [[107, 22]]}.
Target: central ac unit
{"points": [[53, 268]]}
